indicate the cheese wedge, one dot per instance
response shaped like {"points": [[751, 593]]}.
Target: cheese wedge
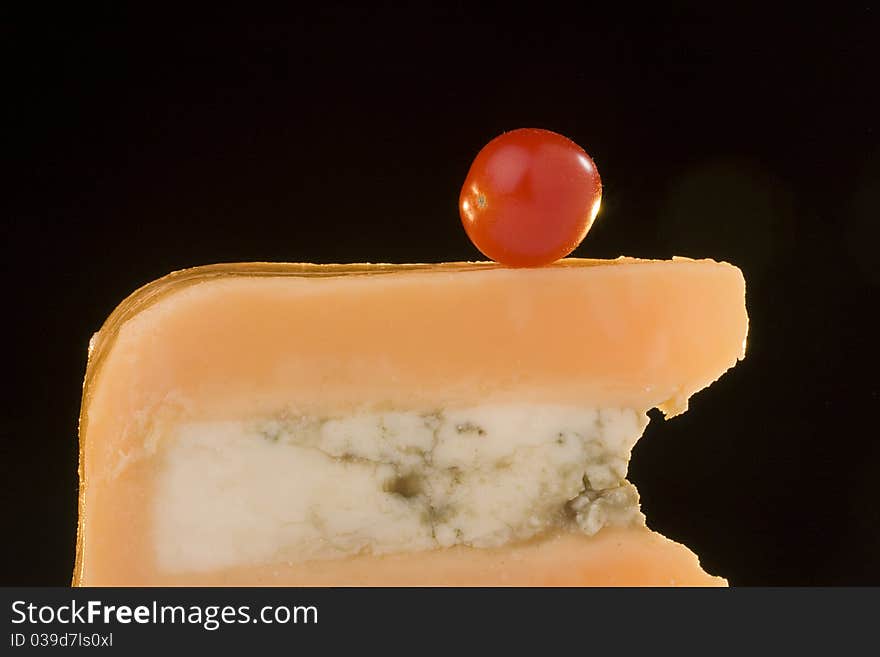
{"points": [[454, 424]]}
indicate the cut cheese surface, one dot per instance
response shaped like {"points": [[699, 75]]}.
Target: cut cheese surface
{"points": [[614, 557], [357, 424], [387, 482]]}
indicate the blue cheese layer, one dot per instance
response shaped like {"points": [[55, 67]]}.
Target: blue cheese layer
{"points": [[294, 488]]}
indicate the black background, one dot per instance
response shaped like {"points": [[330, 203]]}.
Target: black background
{"points": [[131, 150]]}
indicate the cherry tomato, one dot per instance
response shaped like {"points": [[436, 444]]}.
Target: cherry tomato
{"points": [[529, 198]]}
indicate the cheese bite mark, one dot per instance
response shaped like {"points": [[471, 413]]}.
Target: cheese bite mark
{"points": [[223, 353]]}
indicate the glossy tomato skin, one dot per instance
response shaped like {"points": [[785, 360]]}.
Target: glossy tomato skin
{"points": [[530, 197]]}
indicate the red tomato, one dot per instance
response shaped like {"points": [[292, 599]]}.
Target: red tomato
{"points": [[529, 198]]}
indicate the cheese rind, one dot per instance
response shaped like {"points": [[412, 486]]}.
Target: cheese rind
{"points": [[236, 343]]}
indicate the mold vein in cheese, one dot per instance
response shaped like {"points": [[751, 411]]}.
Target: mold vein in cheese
{"points": [[299, 488]]}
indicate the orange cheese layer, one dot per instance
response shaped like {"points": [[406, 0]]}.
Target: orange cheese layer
{"points": [[236, 341], [613, 557]]}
